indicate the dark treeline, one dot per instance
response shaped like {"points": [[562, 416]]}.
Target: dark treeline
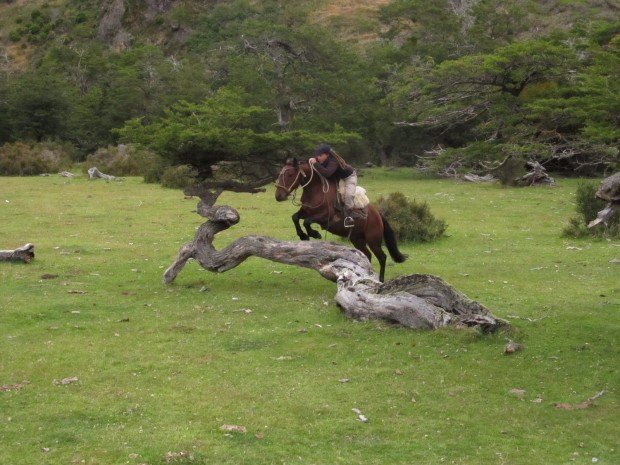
{"points": [[445, 85]]}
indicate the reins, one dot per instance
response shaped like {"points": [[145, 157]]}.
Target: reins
{"points": [[289, 190], [293, 191]]}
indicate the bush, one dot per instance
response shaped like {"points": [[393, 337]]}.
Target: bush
{"points": [[511, 170], [587, 206], [126, 160], [410, 220], [15, 35], [29, 159], [179, 177]]}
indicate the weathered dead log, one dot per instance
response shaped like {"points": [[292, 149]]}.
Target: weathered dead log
{"points": [[538, 176], [609, 190], [477, 179], [94, 173], [25, 254], [416, 301]]}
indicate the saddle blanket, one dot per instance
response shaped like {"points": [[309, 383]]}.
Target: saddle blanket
{"points": [[360, 200]]}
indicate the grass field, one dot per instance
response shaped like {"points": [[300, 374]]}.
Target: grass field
{"points": [[160, 369]]}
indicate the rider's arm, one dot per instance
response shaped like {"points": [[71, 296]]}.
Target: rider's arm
{"points": [[328, 169]]}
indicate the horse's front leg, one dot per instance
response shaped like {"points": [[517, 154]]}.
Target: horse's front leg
{"points": [[296, 217], [311, 232]]}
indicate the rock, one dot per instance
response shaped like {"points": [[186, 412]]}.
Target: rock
{"points": [[513, 347]]}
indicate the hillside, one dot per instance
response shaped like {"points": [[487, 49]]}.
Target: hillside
{"points": [[28, 28], [384, 80]]}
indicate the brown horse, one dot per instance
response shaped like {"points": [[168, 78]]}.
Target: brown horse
{"points": [[318, 205]]}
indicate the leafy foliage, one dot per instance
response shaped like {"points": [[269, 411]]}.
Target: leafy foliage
{"points": [[462, 75], [23, 159], [225, 126], [178, 177], [587, 207], [125, 160], [411, 221]]}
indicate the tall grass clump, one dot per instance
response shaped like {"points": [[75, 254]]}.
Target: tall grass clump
{"points": [[587, 205], [412, 221]]}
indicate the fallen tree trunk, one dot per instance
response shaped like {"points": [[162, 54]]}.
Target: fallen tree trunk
{"points": [[94, 173], [477, 179], [25, 254], [416, 301]]}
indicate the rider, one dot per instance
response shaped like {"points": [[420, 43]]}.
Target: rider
{"points": [[331, 165]]}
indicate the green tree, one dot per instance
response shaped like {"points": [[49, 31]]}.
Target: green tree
{"points": [[481, 98], [224, 127], [38, 107], [580, 119], [424, 29], [297, 70]]}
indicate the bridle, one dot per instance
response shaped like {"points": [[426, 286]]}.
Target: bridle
{"points": [[300, 173], [290, 189]]}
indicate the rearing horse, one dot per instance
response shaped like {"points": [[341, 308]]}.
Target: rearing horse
{"points": [[318, 205]]}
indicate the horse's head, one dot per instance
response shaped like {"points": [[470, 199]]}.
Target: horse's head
{"points": [[289, 179]]}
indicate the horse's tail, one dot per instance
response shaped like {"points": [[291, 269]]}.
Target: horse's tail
{"points": [[390, 242]]}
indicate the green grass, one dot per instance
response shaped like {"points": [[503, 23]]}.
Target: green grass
{"points": [[162, 368]]}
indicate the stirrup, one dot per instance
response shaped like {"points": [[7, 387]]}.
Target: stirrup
{"points": [[349, 222]]}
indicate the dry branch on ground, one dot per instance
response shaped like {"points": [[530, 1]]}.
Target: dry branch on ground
{"points": [[25, 254]]}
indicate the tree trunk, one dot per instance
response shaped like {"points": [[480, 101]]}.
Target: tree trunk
{"points": [[384, 155], [25, 254], [416, 301]]}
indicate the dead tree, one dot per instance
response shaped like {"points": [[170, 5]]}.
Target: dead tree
{"points": [[24, 254], [536, 177], [416, 301], [609, 190]]}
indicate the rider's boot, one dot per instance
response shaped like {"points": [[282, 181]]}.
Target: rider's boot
{"points": [[349, 222]]}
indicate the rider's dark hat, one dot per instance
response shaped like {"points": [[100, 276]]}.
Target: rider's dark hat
{"points": [[323, 148]]}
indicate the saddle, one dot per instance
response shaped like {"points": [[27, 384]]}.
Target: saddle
{"points": [[360, 200], [360, 204]]}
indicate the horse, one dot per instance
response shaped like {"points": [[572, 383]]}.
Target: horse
{"points": [[318, 205]]}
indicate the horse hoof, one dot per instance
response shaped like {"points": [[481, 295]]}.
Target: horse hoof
{"points": [[304, 238], [316, 236]]}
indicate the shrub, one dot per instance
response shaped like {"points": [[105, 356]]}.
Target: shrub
{"points": [[80, 18], [153, 174], [179, 177], [587, 206], [510, 170], [29, 159], [15, 35], [125, 160], [411, 221]]}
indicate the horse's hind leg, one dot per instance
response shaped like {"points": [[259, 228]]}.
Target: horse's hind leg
{"points": [[360, 244], [381, 257], [296, 217], [311, 232]]}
